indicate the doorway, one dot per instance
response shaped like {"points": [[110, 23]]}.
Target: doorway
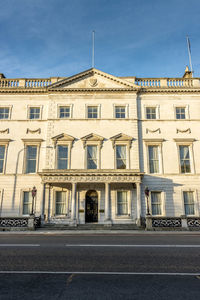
{"points": [[91, 209]]}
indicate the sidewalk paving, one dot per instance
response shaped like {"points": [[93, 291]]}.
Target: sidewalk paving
{"points": [[98, 232]]}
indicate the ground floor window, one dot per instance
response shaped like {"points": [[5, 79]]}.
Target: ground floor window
{"points": [[156, 203], [122, 203], [60, 208], [27, 203], [188, 203]]}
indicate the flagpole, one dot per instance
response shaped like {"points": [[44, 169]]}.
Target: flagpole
{"points": [[93, 33], [189, 53]]}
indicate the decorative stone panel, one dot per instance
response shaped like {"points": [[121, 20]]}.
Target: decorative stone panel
{"points": [[193, 222], [166, 222]]}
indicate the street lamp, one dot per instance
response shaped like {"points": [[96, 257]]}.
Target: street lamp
{"points": [[146, 191], [33, 192]]}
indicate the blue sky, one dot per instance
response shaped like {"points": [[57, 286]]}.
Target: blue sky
{"points": [[143, 38]]}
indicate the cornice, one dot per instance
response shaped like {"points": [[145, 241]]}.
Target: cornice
{"points": [[168, 90]]}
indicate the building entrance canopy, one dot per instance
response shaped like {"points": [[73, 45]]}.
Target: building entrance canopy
{"points": [[101, 176]]}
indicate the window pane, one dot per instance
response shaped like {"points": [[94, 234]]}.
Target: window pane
{"points": [[4, 113], [184, 159], [31, 156], [64, 112], [151, 113], [34, 113], [122, 203], [60, 203], [121, 156], [153, 159], [2, 154], [156, 203], [92, 157], [27, 203], [188, 203], [180, 112], [62, 157], [92, 112], [120, 112]]}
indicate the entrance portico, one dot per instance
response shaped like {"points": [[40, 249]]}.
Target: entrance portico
{"points": [[92, 196]]}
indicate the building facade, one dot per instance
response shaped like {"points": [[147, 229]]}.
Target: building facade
{"points": [[91, 143]]}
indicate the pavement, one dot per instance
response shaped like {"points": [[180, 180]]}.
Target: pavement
{"points": [[104, 232]]}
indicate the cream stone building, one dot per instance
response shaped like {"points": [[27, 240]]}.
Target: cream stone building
{"points": [[82, 149]]}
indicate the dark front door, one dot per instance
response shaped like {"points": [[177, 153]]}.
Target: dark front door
{"points": [[91, 211]]}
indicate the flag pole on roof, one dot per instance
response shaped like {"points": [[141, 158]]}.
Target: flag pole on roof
{"points": [[93, 34], [189, 53]]}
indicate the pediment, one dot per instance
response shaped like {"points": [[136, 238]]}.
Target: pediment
{"points": [[92, 137], [121, 137], [92, 79], [62, 138]]}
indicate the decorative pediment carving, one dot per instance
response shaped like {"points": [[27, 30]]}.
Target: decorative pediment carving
{"points": [[121, 137], [92, 137], [62, 139], [93, 79], [33, 131], [153, 131], [5, 130], [188, 130]]}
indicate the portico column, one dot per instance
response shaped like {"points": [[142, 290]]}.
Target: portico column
{"points": [[107, 201], [73, 206], [138, 188]]}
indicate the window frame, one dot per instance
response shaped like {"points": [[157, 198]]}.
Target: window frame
{"points": [[98, 106], [189, 143], [159, 144], [162, 204], [64, 105], [31, 142], [28, 190], [5, 143], [9, 111], [128, 215], [157, 111], [28, 112], [127, 156], [97, 157], [187, 115], [126, 106], [66, 202], [195, 199], [68, 152]]}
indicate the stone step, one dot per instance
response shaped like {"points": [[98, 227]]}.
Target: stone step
{"points": [[90, 226]]}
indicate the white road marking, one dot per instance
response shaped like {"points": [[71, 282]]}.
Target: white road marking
{"points": [[101, 273], [133, 246], [19, 245]]}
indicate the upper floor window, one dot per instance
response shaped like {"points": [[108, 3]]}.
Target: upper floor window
{"points": [[31, 159], [189, 203], [153, 159], [184, 154], [122, 203], [180, 113], [4, 112], [62, 157], [150, 112], [121, 157], [34, 113], [92, 160], [64, 112], [156, 205], [92, 112], [120, 112], [2, 158]]}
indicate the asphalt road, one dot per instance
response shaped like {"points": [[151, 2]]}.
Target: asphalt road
{"points": [[100, 267]]}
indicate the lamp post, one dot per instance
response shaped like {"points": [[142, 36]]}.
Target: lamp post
{"points": [[146, 191], [33, 192]]}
